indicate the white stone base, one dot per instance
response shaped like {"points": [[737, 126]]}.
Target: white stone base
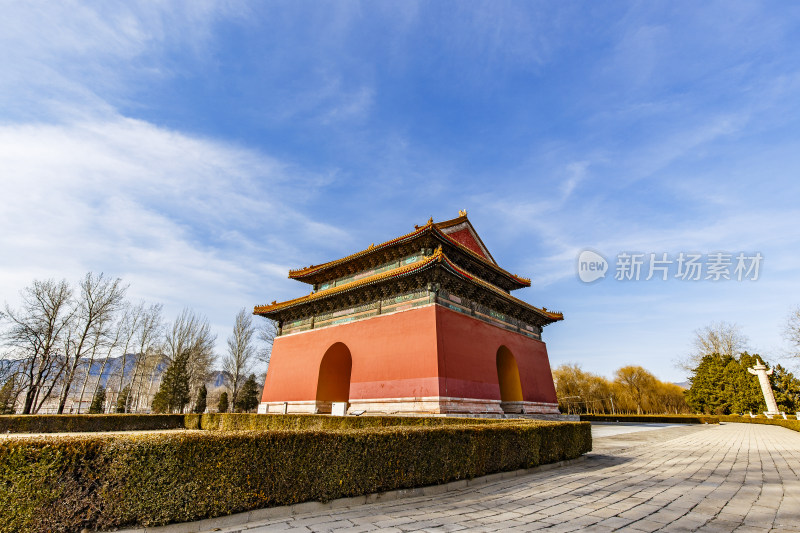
{"points": [[432, 405], [530, 408], [426, 405], [290, 408]]}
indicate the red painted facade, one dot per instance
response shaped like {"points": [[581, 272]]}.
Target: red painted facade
{"points": [[429, 353]]}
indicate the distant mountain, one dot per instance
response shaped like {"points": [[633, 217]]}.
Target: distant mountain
{"points": [[218, 378], [113, 367], [683, 384]]}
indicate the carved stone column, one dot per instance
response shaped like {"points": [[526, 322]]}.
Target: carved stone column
{"points": [[761, 371]]}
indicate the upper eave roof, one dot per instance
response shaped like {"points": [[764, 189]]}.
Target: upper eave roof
{"points": [[438, 257], [431, 227], [463, 220]]}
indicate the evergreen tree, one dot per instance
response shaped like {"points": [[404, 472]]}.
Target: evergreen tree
{"points": [[706, 393], [721, 385], [248, 396], [7, 397], [785, 386], [122, 399], [746, 389], [98, 402], [200, 404], [160, 402], [223, 403], [173, 394]]}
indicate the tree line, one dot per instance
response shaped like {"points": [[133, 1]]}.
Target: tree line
{"points": [[60, 342], [633, 390], [720, 382]]}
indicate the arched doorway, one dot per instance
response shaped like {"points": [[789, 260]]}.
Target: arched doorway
{"points": [[508, 379], [333, 384]]}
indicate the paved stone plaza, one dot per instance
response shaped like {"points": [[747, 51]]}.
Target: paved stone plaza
{"points": [[732, 477]]}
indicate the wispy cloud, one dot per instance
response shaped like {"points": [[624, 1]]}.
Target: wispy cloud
{"points": [[70, 59], [187, 220], [190, 221], [330, 102]]}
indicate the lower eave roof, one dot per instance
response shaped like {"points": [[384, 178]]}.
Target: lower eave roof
{"points": [[438, 257]]}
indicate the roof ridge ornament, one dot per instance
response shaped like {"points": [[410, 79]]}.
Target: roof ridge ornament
{"points": [[462, 212]]}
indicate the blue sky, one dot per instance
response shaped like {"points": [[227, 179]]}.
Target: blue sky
{"points": [[200, 150]]}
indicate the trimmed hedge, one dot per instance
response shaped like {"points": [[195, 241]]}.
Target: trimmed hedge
{"points": [[104, 482], [790, 424], [775, 417], [89, 423], [216, 421], [245, 421], [663, 419]]}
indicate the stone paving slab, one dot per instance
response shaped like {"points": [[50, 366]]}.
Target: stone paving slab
{"points": [[729, 477]]}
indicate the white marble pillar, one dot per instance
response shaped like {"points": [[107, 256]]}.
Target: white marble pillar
{"points": [[761, 371]]}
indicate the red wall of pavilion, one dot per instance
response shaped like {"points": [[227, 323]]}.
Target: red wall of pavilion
{"points": [[425, 352], [393, 356], [468, 359]]}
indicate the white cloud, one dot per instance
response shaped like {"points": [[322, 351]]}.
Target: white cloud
{"points": [[331, 100], [186, 220]]}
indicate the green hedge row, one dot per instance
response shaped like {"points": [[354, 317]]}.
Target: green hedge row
{"points": [[86, 423], [225, 421], [776, 417], [105, 482], [791, 424], [244, 421], [663, 419]]}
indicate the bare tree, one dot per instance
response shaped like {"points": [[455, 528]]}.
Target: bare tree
{"points": [[101, 334], [153, 371], [124, 331], [267, 331], [241, 352], [720, 338], [792, 331], [35, 336], [100, 298], [149, 354], [191, 333], [149, 367]]}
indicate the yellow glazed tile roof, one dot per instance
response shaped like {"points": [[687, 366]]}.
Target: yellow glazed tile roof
{"points": [[429, 227], [438, 257]]}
